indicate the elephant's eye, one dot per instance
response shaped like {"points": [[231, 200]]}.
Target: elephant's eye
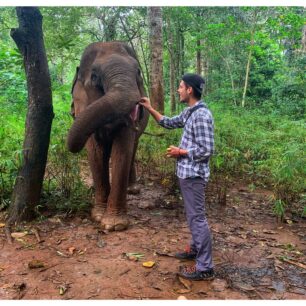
{"points": [[94, 78]]}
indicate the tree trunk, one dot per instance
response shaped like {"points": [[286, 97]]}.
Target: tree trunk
{"points": [[182, 54], [199, 67], [247, 76], [29, 40], [249, 60], [304, 38], [231, 77], [156, 48], [171, 50]]}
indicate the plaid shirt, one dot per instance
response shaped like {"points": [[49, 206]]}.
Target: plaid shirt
{"points": [[197, 139]]}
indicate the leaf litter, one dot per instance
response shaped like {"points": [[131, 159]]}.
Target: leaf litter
{"points": [[241, 274]]}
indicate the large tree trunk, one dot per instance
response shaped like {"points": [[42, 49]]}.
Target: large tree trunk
{"points": [[156, 48], [28, 185]]}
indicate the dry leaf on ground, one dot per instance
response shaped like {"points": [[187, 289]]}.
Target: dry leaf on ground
{"points": [[148, 264], [181, 291], [19, 234], [34, 264], [187, 283], [71, 250]]}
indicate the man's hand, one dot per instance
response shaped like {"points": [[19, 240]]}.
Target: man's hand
{"points": [[174, 152], [145, 102]]}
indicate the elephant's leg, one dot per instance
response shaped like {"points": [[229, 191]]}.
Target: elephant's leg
{"points": [[122, 153], [133, 188], [98, 161]]}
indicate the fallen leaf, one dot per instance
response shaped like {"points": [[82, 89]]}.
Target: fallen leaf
{"points": [[148, 264], [101, 243], [244, 287], [268, 232], [2, 224], [71, 250], [62, 289], [181, 291], [298, 264], [19, 234], [59, 241], [82, 252], [34, 264], [187, 284], [133, 256], [270, 256], [61, 254], [19, 286], [5, 286]]}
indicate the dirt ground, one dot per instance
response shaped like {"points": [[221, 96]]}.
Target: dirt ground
{"points": [[72, 258]]}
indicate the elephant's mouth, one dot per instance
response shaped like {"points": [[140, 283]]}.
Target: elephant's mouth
{"points": [[134, 114]]}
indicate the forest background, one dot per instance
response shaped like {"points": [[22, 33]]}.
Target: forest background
{"points": [[252, 58]]}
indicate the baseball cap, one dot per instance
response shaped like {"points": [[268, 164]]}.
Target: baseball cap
{"points": [[195, 81]]}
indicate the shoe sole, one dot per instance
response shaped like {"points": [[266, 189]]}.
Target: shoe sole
{"points": [[196, 279], [184, 259]]}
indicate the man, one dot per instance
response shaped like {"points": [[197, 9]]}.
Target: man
{"points": [[196, 147]]}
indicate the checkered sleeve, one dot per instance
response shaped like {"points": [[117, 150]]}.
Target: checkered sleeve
{"points": [[174, 122], [203, 146]]}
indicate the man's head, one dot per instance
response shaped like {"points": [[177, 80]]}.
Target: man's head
{"points": [[191, 86]]}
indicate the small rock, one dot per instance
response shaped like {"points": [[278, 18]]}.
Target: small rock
{"points": [[146, 205], [182, 297], [85, 221]]}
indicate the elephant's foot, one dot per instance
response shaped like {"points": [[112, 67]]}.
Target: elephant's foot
{"points": [[114, 222], [98, 211], [133, 189]]}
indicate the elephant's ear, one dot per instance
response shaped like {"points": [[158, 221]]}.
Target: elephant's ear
{"points": [[72, 110], [130, 51], [75, 78]]}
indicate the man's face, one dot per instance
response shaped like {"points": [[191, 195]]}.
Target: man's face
{"points": [[184, 92]]}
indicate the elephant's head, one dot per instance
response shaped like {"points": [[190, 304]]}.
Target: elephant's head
{"points": [[109, 80]]}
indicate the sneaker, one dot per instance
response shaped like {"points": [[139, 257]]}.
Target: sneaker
{"points": [[191, 273], [188, 254]]}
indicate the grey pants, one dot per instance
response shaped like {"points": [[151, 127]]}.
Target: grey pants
{"points": [[192, 190]]}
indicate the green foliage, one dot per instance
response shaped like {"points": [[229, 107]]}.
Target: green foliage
{"points": [[64, 189], [266, 150], [263, 143], [12, 77], [279, 208]]}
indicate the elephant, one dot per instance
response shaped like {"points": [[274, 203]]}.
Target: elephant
{"points": [[108, 121]]}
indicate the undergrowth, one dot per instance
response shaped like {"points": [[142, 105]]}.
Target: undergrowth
{"points": [[265, 150]]}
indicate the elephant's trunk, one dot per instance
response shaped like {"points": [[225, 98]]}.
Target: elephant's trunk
{"points": [[115, 104]]}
